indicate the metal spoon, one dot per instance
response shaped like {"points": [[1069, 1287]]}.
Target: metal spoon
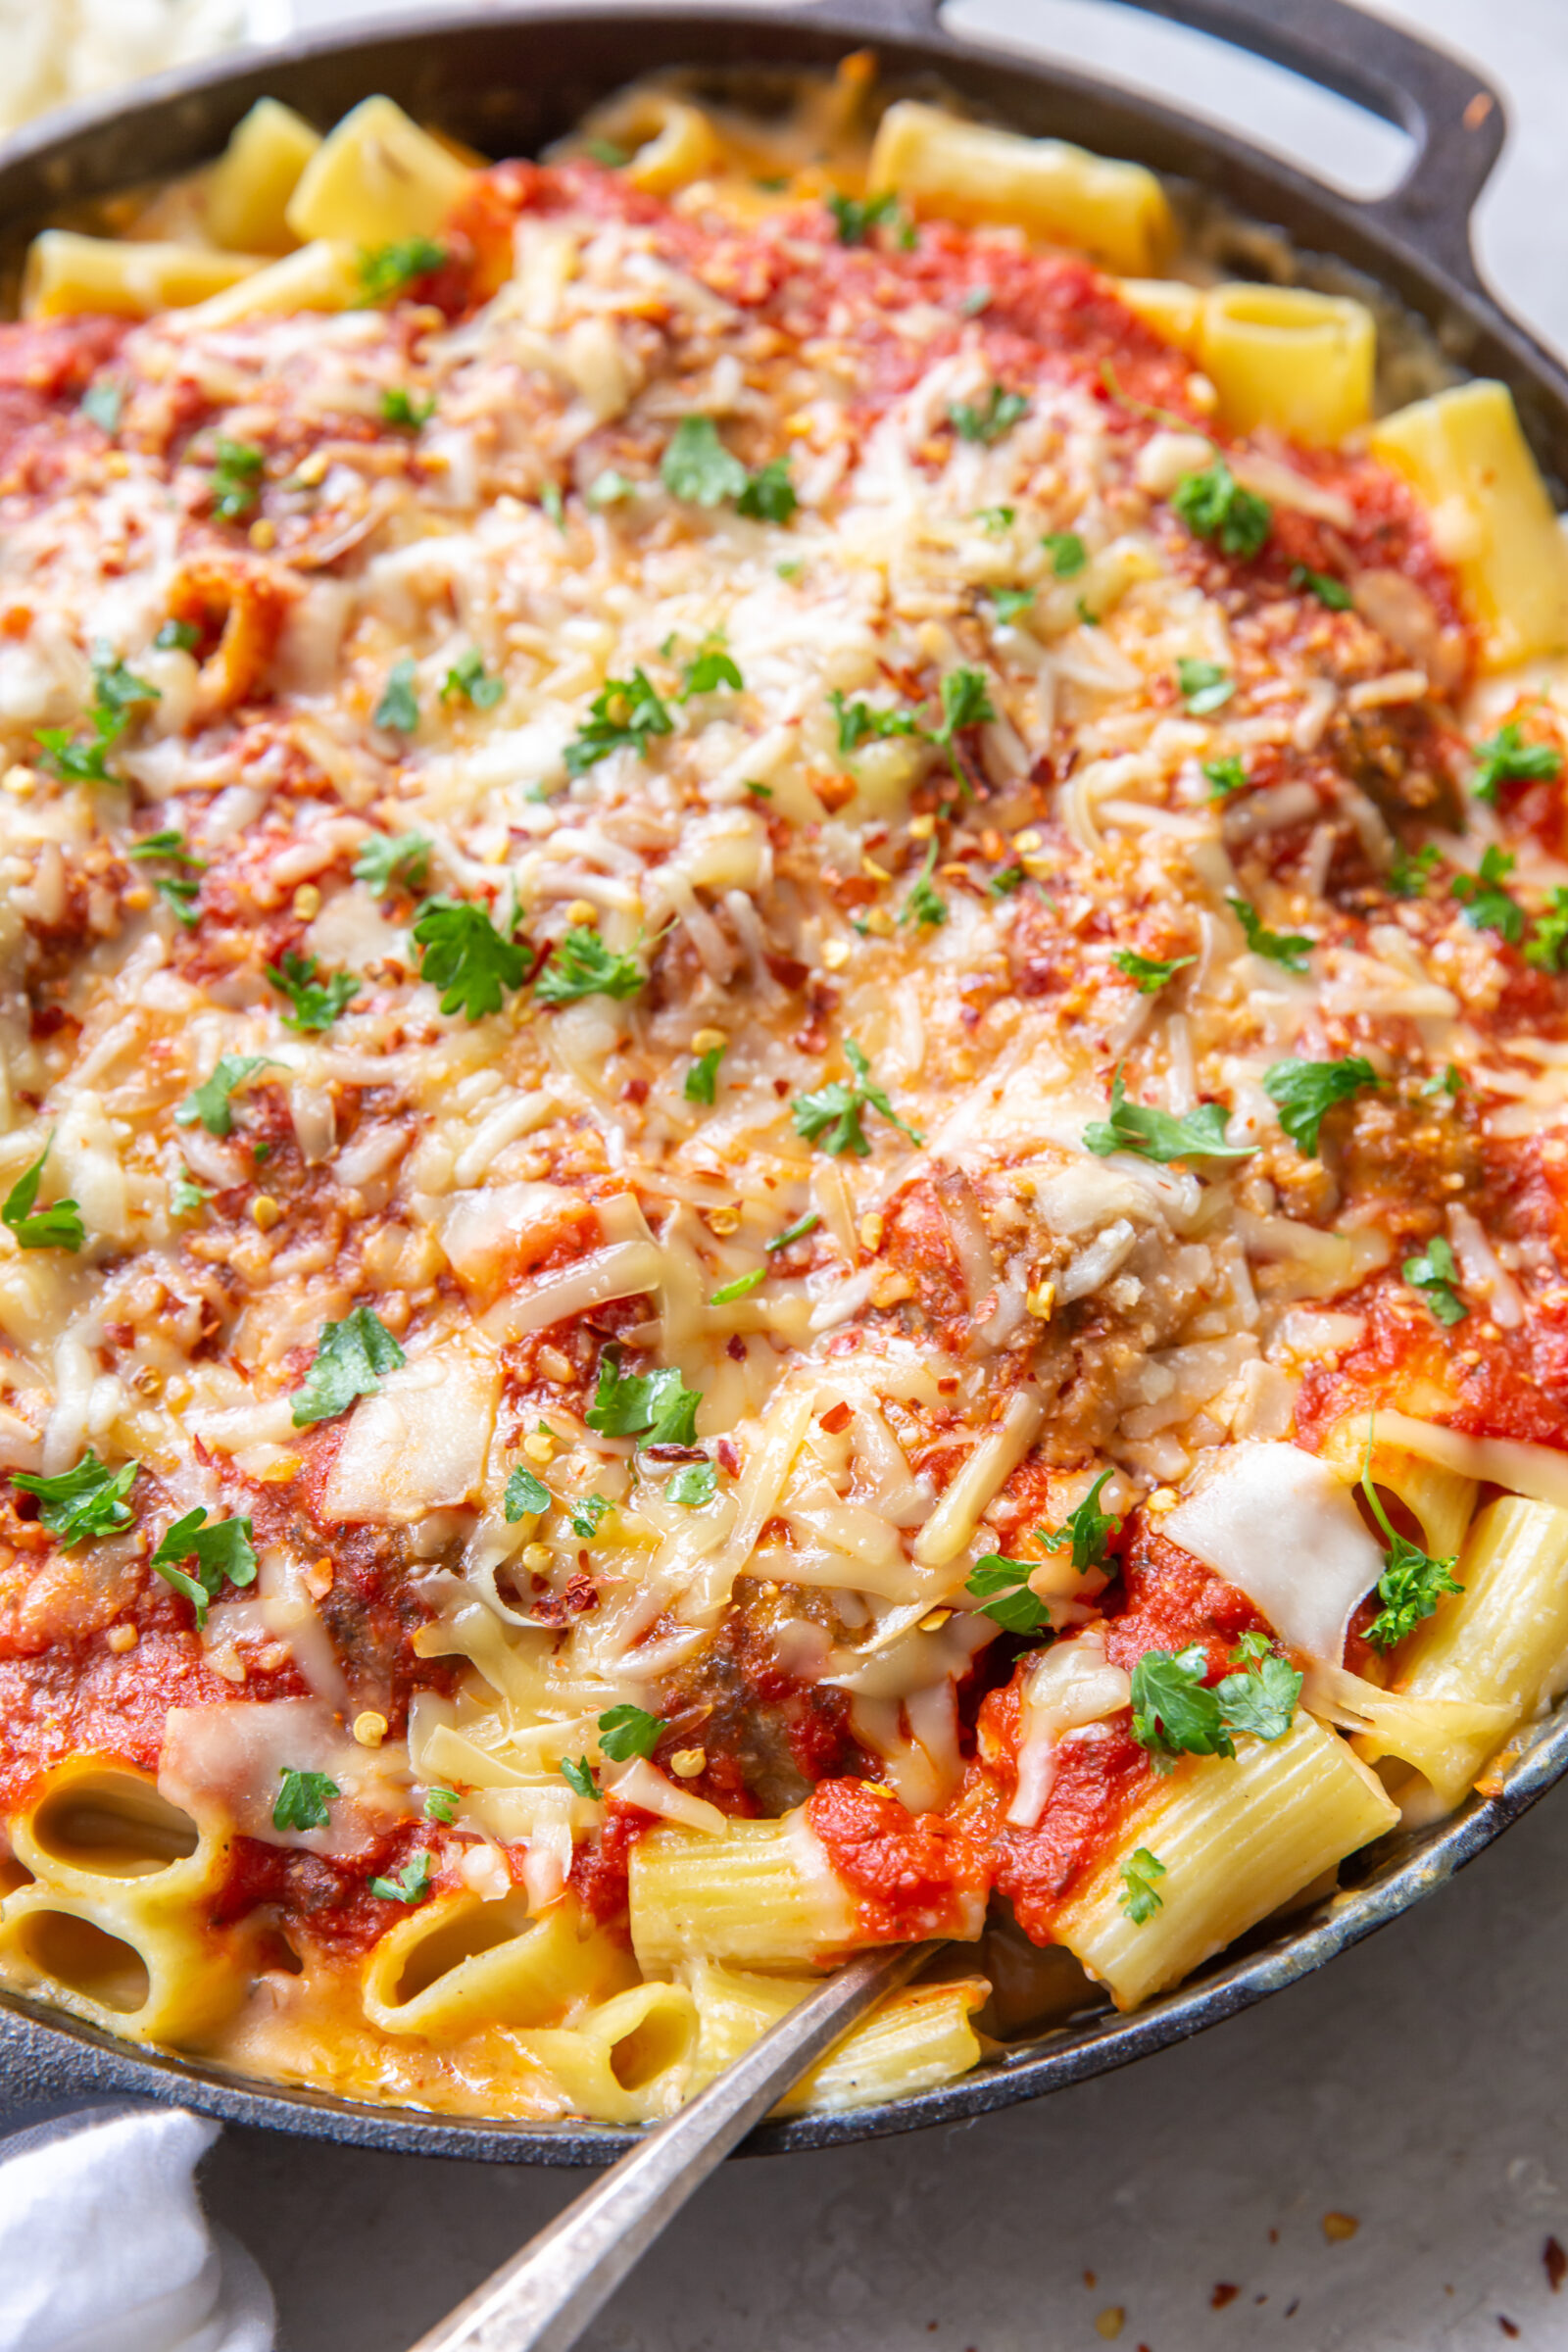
{"points": [[543, 2299]]}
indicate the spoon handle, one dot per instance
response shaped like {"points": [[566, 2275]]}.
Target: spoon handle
{"points": [[546, 2295]]}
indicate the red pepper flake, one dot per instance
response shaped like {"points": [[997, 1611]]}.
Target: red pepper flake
{"points": [[1507, 2326], [1556, 2262], [1224, 2292]]}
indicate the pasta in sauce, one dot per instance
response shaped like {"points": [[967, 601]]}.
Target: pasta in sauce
{"points": [[784, 1058]]}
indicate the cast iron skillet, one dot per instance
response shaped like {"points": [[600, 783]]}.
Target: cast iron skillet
{"points": [[510, 80]]}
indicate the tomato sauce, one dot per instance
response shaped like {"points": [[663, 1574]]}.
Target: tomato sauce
{"points": [[84, 1698], [600, 1870], [910, 1874]]}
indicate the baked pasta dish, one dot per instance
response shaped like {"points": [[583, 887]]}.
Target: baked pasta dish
{"points": [[785, 1045]]}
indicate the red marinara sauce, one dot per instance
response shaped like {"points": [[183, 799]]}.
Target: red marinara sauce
{"points": [[912, 1875]]}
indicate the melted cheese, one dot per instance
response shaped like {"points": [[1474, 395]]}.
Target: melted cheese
{"points": [[1282, 1526]]}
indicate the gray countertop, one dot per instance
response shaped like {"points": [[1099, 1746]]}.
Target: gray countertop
{"points": [[1414, 2086]]}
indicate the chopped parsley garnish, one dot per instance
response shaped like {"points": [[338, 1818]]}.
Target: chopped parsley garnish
{"points": [[1303, 1093], [709, 673], [693, 1484], [186, 1196], [701, 1079], [925, 905], [464, 955], [1224, 776], [179, 890], [859, 723], [656, 1407], [315, 1002], [988, 421], [386, 270], [1174, 1713], [698, 468], [468, 677], [993, 520], [1159, 1135], [794, 1233], [741, 1287], [1140, 1898], [1327, 591], [117, 693], [236, 479], [525, 1496], [305, 1799], [177, 637], [1261, 1698], [441, 1804], [833, 1115], [412, 1887], [1002, 1587], [351, 1358], [1547, 943], [399, 706], [965, 703], [769, 495], [578, 1774], [587, 1515], [854, 217], [1435, 1276], [1291, 948], [1204, 686], [606, 489], [1408, 874], [410, 410], [554, 505], [1413, 1581], [621, 716], [1068, 552], [607, 153], [1009, 603], [1005, 880], [223, 1551], [212, 1101], [1488, 906], [1149, 974], [57, 1227], [1215, 506], [390, 857], [102, 404], [1506, 759], [581, 965], [1086, 618], [1444, 1081], [82, 1503], [626, 1732], [1088, 1530]]}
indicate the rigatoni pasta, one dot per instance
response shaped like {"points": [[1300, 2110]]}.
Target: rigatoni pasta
{"points": [[781, 1100]]}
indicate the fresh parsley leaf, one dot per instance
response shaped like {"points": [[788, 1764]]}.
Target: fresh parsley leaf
{"points": [[608, 488], [1327, 591], [621, 716], [1204, 686], [987, 423], [317, 1002], [693, 1484], [1547, 944], [1215, 506], [1086, 619], [410, 410], [741, 1287], [386, 270], [1010, 1605], [925, 905], [1225, 776], [794, 1233], [525, 1496], [857, 215], [177, 637], [657, 1407], [833, 1116], [84, 1501], [1068, 552], [698, 468], [769, 495], [1158, 1134], [350, 1358], [441, 1804], [236, 479], [1304, 1092], [468, 677], [587, 1515], [1088, 1530], [1291, 949], [58, 1227], [712, 669], [626, 1732], [1408, 875], [1262, 1699], [1005, 880], [1413, 1581], [212, 1101], [965, 703], [1506, 759], [581, 965], [1140, 1898], [117, 692], [1446, 1081], [76, 758], [102, 404], [399, 706], [578, 1774], [186, 1196], [1009, 603], [607, 153], [1435, 1276], [993, 520], [464, 955], [389, 857], [701, 1079], [859, 723], [1149, 973], [1486, 905], [1173, 1714], [411, 1887], [553, 505], [224, 1549], [304, 1801]]}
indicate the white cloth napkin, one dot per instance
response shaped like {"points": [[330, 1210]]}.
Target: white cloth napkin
{"points": [[104, 2247]]}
